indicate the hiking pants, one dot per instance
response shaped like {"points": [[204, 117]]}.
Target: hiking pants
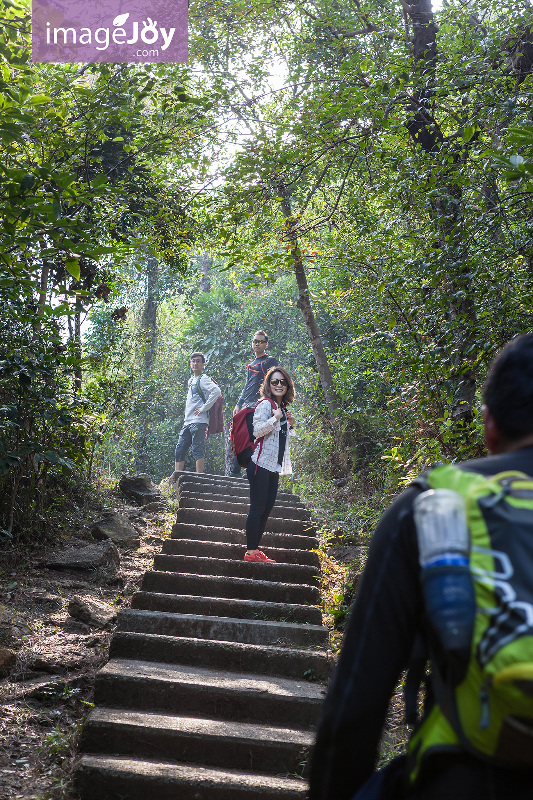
{"points": [[464, 777], [263, 491], [191, 435], [235, 468]]}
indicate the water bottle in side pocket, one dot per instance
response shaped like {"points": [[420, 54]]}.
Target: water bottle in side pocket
{"points": [[444, 548]]}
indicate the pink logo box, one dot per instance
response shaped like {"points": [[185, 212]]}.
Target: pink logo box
{"points": [[132, 31]]}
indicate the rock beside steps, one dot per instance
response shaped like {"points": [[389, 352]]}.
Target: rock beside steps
{"points": [[217, 672]]}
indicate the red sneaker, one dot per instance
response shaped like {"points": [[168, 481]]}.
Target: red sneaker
{"points": [[257, 556]]}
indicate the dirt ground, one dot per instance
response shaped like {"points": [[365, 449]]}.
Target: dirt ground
{"points": [[48, 692]]}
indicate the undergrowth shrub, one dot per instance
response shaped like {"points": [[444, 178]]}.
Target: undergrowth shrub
{"points": [[45, 432]]}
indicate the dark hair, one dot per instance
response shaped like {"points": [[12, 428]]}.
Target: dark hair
{"points": [[195, 355], [266, 391], [508, 390], [263, 334]]}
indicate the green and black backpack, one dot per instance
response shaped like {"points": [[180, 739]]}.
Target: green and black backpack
{"points": [[490, 711]]}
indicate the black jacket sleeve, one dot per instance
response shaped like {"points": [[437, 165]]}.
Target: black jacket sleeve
{"points": [[378, 641]]}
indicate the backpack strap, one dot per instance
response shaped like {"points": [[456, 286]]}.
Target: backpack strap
{"points": [[422, 480], [272, 403], [416, 674], [199, 388]]}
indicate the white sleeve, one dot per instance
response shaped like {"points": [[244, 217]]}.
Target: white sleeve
{"points": [[264, 421], [210, 390]]}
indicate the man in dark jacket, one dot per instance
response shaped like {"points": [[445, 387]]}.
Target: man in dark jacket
{"points": [[255, 375], [388, 614]]}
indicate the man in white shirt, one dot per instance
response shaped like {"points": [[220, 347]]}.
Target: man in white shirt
{"points": [[201, 396]]}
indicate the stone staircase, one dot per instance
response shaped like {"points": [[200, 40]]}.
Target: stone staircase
{"points": [[216, 674]]}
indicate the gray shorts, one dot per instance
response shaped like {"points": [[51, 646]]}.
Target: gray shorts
{"points": [[191, 435]]}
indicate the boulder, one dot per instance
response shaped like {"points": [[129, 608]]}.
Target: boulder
{"points": [[93, 641], [117, 528], [47, 603], [103, 555], [173, 481], [140, 489], [6, 616], [92, 612], [7, 661], [38, 663], [12, 626], [345, 553], [156, 506], [52, 690], [137, 520]]}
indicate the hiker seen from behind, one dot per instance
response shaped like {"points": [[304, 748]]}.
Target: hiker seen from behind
{"points": [[273, 426], [202, 394], [448, 583], [255, 375]]}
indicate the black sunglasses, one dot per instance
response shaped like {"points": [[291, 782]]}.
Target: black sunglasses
{"points": [[278, 382], [259, 341]]}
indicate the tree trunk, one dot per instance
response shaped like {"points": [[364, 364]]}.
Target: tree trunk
{"points": [[206, 264], [149, 317], [149, 328], [489, 190], [77, 345], [228, 450], [43, 288], [304, 304], [426, 133]]}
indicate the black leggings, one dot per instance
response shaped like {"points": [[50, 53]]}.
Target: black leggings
{"points": [[263, 491]]}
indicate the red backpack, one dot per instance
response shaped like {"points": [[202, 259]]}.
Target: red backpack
{"points": [[241, 433], [216, 417]]}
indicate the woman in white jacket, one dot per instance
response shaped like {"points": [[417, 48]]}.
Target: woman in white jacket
{"points": [[273, 427]]}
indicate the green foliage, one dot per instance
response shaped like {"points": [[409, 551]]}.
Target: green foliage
{"points": [[42, 425], [411, 240], [79, 193], [400, 179], [221, 324]]}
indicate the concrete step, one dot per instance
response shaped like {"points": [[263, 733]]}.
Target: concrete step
{"points": [[301, 664], [230, 587], [207, 479], [239, 726], [287, 573], [211, 743], [111, 778], [213, 694], [224, 607], [237, 488], [208, 533], [206, 503], [226, 550], [242, 495], [223, 629], [223, 519]]}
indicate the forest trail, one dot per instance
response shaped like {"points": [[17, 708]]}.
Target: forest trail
{"points": [[216, 674]]}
